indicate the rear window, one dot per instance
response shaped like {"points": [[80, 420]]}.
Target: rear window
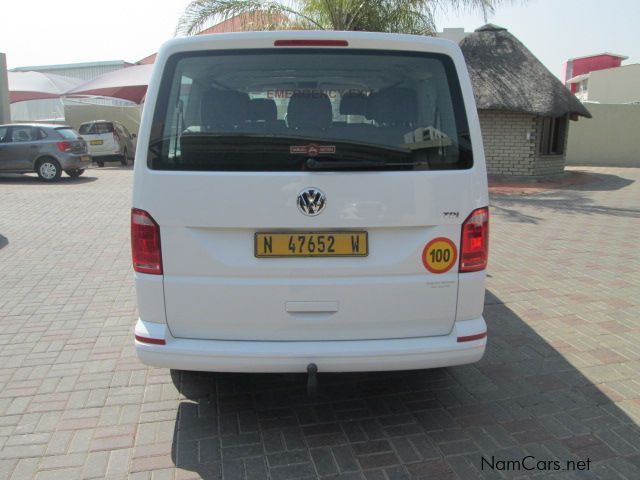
{"points": [[67, 133], [86, 128], [96, 128], [307, 109]]}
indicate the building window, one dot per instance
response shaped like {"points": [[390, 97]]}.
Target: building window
{"points": [[584, 85], [552, 136]]}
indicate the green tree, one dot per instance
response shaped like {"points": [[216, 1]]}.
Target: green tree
{"points": [[399, 16]]}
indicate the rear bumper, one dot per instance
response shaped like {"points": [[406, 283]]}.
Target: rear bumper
{"points": [[108, 156], [294, 356], [75, 161]]}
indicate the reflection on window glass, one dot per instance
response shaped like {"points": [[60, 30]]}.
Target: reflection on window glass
{"points": [[22, 134], [267, 110]]}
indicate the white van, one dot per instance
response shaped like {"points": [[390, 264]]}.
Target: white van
{"points": [[309, 201]]}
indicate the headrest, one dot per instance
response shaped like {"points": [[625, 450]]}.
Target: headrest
{"points": [[263, 109], [309, 110], [353, 104], [224, 108], [397, 106]]}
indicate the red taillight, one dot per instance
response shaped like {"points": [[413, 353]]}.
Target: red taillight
{"points": [[64, 146], [471, 338], [145, 243], [153, 341], [310, 43], [474, 244]]}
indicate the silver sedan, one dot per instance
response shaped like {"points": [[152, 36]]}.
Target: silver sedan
{"points": [[45, 149]]}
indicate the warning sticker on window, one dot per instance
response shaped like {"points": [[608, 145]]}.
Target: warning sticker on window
{"points": [[312, 149]]}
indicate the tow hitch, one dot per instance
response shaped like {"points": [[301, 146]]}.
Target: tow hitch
{"points": [[312, 380]]}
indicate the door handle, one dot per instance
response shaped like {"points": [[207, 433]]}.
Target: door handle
{"points": [[311, 307]]}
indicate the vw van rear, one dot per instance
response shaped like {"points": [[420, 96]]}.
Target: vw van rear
{"points": [[309, 198]]}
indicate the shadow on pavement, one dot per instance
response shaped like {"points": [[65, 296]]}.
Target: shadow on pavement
{"points": [[3, 241], [569, 199], [113, 166], [32, 179], [523, 399], [601, 182]]}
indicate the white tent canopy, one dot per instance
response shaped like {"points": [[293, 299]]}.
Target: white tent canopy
{"points": [[128, 84], [24, 86]]}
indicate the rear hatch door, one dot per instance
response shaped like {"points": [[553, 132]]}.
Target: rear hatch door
{"points": [[216, 288]]}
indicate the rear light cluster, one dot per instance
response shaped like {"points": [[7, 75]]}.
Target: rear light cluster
{"points": [[65, 146], [145, 243], [474, 244]]}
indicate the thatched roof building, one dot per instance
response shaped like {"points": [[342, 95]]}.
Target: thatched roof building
{"points": [[524, 109], [506, 76]]}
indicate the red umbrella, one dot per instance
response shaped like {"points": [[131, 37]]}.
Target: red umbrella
{"points": [[128, 84], [37, 85]]}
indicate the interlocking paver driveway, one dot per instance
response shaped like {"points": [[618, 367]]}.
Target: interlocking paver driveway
{"points": [[560, 379]]}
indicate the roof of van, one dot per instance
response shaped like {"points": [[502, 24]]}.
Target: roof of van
{"points": [[355, 39], [507, 76]]}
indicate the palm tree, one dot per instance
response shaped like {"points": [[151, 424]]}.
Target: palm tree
{"points": [[399, 16]]}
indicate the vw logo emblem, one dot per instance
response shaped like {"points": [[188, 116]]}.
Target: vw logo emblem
{"points": [[311, 201]]}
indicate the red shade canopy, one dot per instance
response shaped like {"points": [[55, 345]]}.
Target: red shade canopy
{"points": [[37, 85], [128, 84]]}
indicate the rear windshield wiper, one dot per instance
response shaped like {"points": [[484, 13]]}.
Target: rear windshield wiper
{"points": [[317, 164]]}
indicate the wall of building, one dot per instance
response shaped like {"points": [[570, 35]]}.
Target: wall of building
{"points": [[53, 109], [506, 148], [511, 145], [38, 110], [5, 112], [615, 85], [453, 34], [78, 113], [549, 164], [610, 138]]}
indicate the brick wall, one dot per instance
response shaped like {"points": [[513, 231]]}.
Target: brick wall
{"points": [[507, 148], [550, 164]]}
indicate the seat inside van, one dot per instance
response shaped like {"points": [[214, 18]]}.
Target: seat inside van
{"points": [[360, 116], [309, 113], [263, 117]]}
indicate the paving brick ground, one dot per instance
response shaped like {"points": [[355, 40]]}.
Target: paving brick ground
{"points": [[560, 380]]}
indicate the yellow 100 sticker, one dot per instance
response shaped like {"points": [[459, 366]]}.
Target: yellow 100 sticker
{"points": [[439, 255]]}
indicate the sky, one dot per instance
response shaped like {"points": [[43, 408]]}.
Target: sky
{"points": [[43, 32]]}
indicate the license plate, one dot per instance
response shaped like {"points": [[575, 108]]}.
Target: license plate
{"points": [[311, 244], [96, 142], [85, 158]]}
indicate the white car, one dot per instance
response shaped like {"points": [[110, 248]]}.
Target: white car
{"points": [[310, 201], [108, 141]]}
